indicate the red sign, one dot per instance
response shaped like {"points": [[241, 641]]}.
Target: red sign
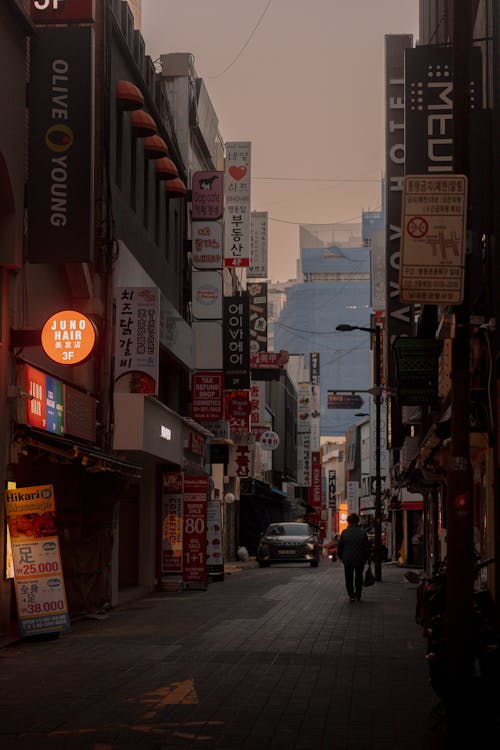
{"points": [[237, 409], [314, 500], [194, 539], [62, 11], [36, 405], [269, 360], [208, 391]]}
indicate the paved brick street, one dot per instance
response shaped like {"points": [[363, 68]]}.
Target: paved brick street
{"points": [[273, 658]]}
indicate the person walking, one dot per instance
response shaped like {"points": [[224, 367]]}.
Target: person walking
{"points": [[354, 550]]}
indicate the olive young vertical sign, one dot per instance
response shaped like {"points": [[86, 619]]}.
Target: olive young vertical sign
{"points": [[237, 199], [39, 583], [61, 146]]}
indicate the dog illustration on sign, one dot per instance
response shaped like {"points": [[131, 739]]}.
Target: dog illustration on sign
{"points": [[208, 182]]}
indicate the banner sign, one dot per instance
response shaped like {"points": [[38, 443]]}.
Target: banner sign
{"points": [[171, 534], [60, 196], [257, 294], [137, 339], [208, 396], [207, 245], [344, 401], [194, 540], [208, 195], [314, 359], [258, 245], [39, 582], [237, 204], [332, 489], [304, 407], [314, 497], [304, 459], [215, 555], [236, 335], [269, 360]]}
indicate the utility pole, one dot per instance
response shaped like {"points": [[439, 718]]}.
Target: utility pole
{"points": [[377, 393], [460, 578]]}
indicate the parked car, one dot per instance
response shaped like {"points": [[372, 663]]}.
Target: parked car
{"points": [[288, 542]]}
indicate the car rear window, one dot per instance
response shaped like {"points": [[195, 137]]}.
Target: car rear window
{"points": [[288, 529]]}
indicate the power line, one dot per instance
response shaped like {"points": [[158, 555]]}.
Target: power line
{"points": [[318, 179], [246, 43]]}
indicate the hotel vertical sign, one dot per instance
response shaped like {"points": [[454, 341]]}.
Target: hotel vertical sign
{"points": [[61, 146], [398, 313]]}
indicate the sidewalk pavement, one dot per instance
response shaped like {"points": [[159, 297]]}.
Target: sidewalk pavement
{"points": [[268, 659]]}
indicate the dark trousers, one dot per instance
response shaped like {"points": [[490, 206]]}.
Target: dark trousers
{"points": [[354, 580]]}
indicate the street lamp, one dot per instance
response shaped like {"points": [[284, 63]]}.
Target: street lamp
{"points": [[377, 393]]}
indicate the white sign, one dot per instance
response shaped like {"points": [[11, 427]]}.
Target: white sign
{"points": [[237, 204], [353, 497], [207, 244], [270, 440], [433, 239], [207, 295], [137, 340]]}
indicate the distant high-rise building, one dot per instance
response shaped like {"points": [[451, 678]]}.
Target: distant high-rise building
{"points": [[333, 287]]}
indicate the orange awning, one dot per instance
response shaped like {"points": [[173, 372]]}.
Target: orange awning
{"points": [[129, 96], [142, 124], [155, 147], [166, 169]]}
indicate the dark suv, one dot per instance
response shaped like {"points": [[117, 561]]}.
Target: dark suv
{"points": [[288, 542]]}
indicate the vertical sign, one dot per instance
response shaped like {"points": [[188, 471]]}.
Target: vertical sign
{"points": [[215, 554], [258, 245], [137, 339], [304, 407], [237, 209], [314, 499], [353, 497], [236, 333], [194, 542], [257, 294], [60, 197], [315, 401], [171, 527], [207, 195], [304, 459], [332, 489], [398, 314], [39, 582]]}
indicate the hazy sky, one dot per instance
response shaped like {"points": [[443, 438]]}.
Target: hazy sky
{"points": [[305, 85]]}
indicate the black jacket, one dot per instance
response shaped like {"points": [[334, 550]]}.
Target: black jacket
{"points": [[354, 547]]}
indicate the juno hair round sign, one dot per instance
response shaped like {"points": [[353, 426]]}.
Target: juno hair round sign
{"points": [[68, 337]]}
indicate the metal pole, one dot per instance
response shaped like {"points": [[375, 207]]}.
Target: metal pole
{"points": [[378, 480]]}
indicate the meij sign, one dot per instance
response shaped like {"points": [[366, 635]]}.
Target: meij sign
{"points": [[68, 337], [344, 401]]}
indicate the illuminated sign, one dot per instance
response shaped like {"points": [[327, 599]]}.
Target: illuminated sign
{"points": [[68, 337], [165, 433]]}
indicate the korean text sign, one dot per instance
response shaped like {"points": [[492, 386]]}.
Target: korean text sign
{"points": [[39, 582]]}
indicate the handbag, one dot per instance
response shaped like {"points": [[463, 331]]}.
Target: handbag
{"points": [[369, 578]]}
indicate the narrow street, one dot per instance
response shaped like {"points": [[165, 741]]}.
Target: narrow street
{"points": [[270, 658]]}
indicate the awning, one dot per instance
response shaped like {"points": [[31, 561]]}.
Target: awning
{"points": [[90, 458]]}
